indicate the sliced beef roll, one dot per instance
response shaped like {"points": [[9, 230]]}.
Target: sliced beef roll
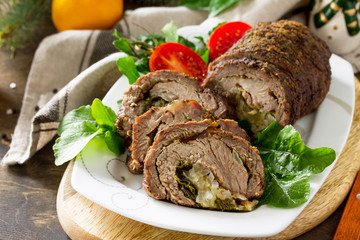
{"points": [[160, 88], [279, 71], [147, 125], [156, 119], [196, 164]]}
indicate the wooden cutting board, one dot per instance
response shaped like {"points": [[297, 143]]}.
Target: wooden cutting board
{"points": [[83, 219]]}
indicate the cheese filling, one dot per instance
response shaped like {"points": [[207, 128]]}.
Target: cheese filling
{"points": [[209, 194]]}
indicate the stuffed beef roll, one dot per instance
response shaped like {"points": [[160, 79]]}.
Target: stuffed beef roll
{"points": [[199, 165], [156, 119], [157, 89], [279, 71]]}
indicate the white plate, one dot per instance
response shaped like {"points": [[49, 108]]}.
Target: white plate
{"points": [[104, 179]]}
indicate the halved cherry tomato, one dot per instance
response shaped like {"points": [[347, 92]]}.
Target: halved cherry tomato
{"points": [[223, 37], [175, 56]]}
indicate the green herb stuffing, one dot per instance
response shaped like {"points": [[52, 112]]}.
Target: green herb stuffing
{"points": [[81, 125], [225, 204], [288, 165], [186, 186]]}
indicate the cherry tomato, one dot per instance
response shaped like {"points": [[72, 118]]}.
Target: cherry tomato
{"points": [[175, 56], [223, 37]]}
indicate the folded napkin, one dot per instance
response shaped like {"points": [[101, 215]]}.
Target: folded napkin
{"points": [[72, 68]]}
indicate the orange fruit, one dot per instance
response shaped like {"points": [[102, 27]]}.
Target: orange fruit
{"points": [[86, 14]]}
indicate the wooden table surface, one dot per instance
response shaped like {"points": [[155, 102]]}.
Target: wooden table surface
{"points": [[28, 192]]}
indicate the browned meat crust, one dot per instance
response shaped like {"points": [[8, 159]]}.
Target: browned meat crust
{"points": [[285, 57]]}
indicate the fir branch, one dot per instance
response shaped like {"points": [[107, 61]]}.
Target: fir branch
{"points": [[18, 20]]}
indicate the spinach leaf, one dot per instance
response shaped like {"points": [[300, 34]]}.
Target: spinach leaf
{"points": [[187, 43], [186, 186], [214, 28], [73, 140], [204, 54], [122, 45], [75, 117], [153, 39], [283, 151], [142, 65], [285, 192], [114, 142], [139, 49], [127, 66], [103, 115], [81, 125], [288, 165]]}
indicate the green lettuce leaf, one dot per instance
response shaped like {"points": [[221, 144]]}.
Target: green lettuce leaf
{"points": [[73, 140], [288, 165], [285, 192], [170, 32], [283, 152], [114, 142], [121, 44], [153, 39], [81, 125], [127, 66], [103, 115], [75, 117]]}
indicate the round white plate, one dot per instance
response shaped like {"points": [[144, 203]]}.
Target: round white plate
{"points": [[103, 177]]}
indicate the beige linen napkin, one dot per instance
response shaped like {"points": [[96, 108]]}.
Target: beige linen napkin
{"points": [[60, 78]]}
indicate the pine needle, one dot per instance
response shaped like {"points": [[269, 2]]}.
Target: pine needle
{"points": [[18, 20]]}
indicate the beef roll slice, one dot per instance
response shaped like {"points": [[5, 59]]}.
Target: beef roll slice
{"points": [[199, 165], [160, 88], [148, 124], [279, 71], [156, 119]]}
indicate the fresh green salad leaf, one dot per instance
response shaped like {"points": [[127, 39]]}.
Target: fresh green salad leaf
{"points": [[75, 117], [152, 39], [122, 44], [204, 55], [214, 28], [283, 151], [288, 165], [114, 142], [139, 49], [127, 66], [81, 125], [142, 65], [73, 140], [104, 115], [170, 32], [285, 192]]}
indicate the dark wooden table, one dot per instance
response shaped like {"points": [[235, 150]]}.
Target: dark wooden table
{"points": [[28, 191]]}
